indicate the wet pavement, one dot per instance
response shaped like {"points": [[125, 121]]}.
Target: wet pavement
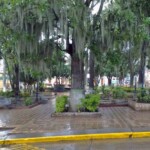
{"points": [[37, 121], [121, 144]]}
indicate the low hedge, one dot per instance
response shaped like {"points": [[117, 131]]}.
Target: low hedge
{"points": [[89, 103], [144, 96], [61, 101]]}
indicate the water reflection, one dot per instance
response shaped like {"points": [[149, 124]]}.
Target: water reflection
{"points": [[4, 131], [2, 124], [53, 103]]}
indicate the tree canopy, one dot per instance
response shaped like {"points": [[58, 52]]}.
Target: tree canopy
{"points": [[35, 35]]}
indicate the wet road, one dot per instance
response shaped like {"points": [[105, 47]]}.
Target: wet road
{"points": [[123, 144], [119, 144]]}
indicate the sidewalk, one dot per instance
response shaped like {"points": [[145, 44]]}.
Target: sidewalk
{"points": [[35, 122]]}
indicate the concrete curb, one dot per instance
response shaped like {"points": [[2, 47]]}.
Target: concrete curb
{"points": [[120, 135]]}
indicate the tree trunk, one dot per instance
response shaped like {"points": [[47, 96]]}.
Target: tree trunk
{"points": [[9, 74], [142, 65], [77, 82], [91, 81], [121, 76], [109, 81], [86, 79], [131, 67], [37, 92], [4, 76], [131, 79], [17, 82]]}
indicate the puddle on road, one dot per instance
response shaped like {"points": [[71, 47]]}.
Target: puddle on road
{"points": [[5, 131]]}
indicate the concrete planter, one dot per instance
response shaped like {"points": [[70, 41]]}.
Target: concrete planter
{"points": [[138, 106]]}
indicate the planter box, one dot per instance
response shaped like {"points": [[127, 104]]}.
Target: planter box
{"points": [[138, 106]]}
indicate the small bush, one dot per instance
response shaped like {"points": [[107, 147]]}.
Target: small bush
{"points": [[41, 87], [7, 93], [144, 99], [61, 101], [148, 91], [119, 93], [90, 102], [97, 90], [128, 89], [144, 96], [25, 94], [28, 101], [107, 92]]}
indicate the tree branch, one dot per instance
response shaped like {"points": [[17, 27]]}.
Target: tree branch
{"points": [[87, 3], [101, 7], [56, 16]]}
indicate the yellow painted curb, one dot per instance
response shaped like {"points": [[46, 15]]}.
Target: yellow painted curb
{"points": [[140, 134], [66, 138], [76, 137]]}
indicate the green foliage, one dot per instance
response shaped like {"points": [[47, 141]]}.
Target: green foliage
{"points": [[31, 76], [41, 87], [144, 96], [97, 90], [27, 78], [90, 102], [103, 88], [128, 89], [149, 91], [61, 101], [60, 69], [28, 101], [143, 99], [107, 92], [119, 93], [25, 94], [7, 93]]}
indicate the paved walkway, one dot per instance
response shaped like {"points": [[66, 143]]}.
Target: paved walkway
{"points": [[39, 120]]}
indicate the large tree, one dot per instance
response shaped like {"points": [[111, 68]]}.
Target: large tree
{"points": [[66, 22]]}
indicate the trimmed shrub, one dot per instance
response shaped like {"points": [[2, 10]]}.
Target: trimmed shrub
{"points": [[128, 89], [89, 103], [144, 96], [28, 101], [7, 93], [119, 93], [107, 92], [61, 102], [25, 94]]}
